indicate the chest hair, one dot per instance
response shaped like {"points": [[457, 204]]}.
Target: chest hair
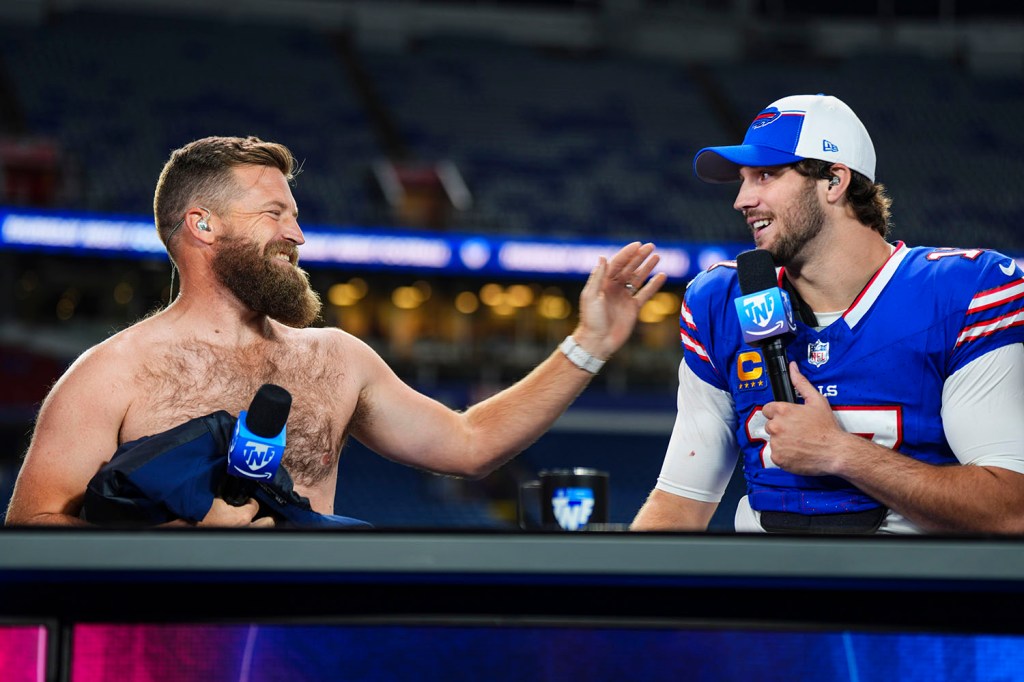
{"points": [[193, 379]]}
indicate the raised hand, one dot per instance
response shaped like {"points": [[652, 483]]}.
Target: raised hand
{"points": [[613, 296]]}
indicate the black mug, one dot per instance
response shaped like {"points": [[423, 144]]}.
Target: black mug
{"points": [[529, 505], [573, 499]]}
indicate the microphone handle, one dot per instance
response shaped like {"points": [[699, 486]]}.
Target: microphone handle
{"points": [[778, 371], [235, 491]]}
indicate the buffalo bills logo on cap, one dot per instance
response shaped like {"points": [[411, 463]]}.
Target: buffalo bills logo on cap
{"points": [[765, 117]]}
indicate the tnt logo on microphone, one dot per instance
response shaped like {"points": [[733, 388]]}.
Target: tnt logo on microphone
{"points": [[765, 315], [572, 507], [258, 455], [253, 456], [257, 460]]}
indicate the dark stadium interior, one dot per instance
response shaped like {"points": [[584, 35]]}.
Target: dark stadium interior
{"points": [[568, 124], [570, 120]]}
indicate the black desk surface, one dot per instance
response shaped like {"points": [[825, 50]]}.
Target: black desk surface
{"points": [[933, 582]]}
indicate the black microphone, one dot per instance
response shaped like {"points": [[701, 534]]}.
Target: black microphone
{"points": [[257, 444], [766, 317]]}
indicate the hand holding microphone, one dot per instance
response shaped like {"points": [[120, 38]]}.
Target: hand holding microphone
{"points": [[806, 439], [766, 317], [224, 515], [257, 444]]}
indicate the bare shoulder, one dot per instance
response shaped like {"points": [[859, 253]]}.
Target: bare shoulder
{"points": [[76, 430], [99, 361], [330, 336], [98, 385], [121, 354], [335, 344]]}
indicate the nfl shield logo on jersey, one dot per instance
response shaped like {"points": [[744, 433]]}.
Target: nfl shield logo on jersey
{"points": [[817, 353]]}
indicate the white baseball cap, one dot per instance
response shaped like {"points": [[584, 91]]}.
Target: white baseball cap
{"points": [[789, 130]]}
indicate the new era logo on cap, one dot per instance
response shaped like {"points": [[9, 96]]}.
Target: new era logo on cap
{"points": [[790, 130]]}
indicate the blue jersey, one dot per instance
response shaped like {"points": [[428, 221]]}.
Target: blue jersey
{"points": [[925, 314]]}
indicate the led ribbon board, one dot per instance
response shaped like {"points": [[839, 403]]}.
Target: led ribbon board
{"points": [[359, 247]]}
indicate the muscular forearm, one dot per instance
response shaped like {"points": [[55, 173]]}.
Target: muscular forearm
{"points": [[806, 439], [411, 428], [667, 512], [506, 423], [936, 498], [43, 519], [35, 504]]}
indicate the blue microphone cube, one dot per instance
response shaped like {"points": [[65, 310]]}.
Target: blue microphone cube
{"points": [[254, 457], [765, 315]]}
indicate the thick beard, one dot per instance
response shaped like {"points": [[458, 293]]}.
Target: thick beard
{"points": [[804, 221], [264, 287]]}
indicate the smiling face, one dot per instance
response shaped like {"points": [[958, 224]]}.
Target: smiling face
{"points": [[782, 210], [256, 256]]}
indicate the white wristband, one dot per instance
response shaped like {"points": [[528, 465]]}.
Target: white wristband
{"points": [[579, 357]]}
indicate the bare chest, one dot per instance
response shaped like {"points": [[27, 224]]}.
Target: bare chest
{"points": [[193, 379]]}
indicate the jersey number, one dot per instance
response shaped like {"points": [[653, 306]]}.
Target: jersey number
{"points": [[881, 425], [969, 254]]}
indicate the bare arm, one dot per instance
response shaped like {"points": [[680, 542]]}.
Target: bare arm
{"points": [[806, 439], [665, 511], [406, 426], [699, 460], [76, 433]]}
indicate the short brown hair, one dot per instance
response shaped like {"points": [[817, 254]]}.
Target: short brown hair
{"points": [[868, 199], [200, 173]]}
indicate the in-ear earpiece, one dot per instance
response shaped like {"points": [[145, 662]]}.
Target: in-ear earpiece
{"points": [[834, 182], [202, 224]]}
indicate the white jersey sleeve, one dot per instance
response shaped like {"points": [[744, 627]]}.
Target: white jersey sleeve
{"points": [[702, 451], [983, 410]]}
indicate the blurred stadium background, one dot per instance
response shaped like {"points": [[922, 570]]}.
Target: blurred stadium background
{"points": [[457, 128]]}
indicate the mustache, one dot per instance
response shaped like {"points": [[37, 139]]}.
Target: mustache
{"points": [[286, 248]]}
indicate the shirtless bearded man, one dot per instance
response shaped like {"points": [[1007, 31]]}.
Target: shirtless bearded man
{"points": [[225, 211]]}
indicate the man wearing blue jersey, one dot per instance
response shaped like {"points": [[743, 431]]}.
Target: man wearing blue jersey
{"points": [[908, 361]]}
